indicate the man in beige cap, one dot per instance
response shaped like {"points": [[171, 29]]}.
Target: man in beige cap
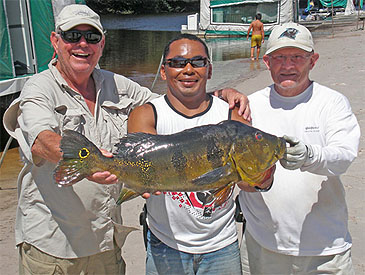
{"points": [[300, 225], [75, 230]]}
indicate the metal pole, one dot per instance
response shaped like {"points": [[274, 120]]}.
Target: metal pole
{"points": [[158, 71], [5, 150], [332, 17]]}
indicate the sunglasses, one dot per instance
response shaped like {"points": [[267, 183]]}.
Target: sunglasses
{"points": [[74, 36], [180, 62]]}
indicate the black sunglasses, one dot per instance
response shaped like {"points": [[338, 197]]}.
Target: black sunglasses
{"points": [[74, 36], [180, 62]]}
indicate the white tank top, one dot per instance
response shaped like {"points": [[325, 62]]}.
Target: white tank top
{"points": [[179, 219]]}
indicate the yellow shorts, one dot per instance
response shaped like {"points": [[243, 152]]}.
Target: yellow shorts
{"points": [[256, 40]]}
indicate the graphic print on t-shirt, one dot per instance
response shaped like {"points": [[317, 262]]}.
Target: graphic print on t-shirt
{"points": [[193, 203]]}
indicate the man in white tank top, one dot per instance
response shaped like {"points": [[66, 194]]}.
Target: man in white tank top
{"points": [[185, 236]]}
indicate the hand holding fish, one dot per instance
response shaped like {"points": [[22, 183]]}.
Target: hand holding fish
{"points": [[296, 155], [105, 177]]}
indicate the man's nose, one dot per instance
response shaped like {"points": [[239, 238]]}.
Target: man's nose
{"points": [[188, 68]]}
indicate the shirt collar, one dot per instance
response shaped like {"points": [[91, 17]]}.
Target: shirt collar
{"points": [[97, 76]]}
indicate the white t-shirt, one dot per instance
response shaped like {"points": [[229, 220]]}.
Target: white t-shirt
{"points": [[179, 219], [305, 212]]}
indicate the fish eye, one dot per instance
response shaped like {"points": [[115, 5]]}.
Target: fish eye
{"points": [[258, 136], [83, 153]]}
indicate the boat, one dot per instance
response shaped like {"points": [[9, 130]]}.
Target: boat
{"points": [[232, 18], [25, 47]]}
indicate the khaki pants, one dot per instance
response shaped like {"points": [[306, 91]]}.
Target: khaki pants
{"points": [[33, 261], [258, 260]]}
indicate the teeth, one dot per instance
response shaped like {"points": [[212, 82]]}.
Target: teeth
{"points": [[81, 54]]}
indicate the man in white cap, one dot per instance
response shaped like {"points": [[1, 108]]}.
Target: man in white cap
{"points": [[300, 225], [74, 230]]}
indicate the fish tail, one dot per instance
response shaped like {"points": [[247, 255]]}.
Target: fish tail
{"points": [[79, 160]]}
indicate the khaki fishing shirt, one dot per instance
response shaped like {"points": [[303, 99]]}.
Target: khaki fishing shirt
{"points": [[79, 220]]}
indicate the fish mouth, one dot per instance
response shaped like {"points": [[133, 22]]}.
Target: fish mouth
{"points": [[279, 153]]}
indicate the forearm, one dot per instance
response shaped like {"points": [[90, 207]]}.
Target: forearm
{"points": [[47, 146], [329, 160]]}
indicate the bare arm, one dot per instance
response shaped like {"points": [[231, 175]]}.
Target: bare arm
{"points": [[262, 33], [249, 30], [47, 147], [234, 98], [142, 119]]}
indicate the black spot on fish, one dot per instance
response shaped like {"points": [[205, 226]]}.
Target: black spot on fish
{"points": [[214, 153], [178, 160]]}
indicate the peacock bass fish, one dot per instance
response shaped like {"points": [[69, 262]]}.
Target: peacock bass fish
{"points": [[205, 158]]}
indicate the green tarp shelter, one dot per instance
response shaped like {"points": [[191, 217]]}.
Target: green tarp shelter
{"points": [[25, 48]]}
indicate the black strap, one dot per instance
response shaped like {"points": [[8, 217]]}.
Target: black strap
{"points": [[143, 222]]}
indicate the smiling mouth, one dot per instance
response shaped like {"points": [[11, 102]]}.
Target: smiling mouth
{"points": [[188, 83], [81, 55]]}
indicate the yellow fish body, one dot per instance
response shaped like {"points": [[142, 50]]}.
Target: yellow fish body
{"points": [[211, 157]]}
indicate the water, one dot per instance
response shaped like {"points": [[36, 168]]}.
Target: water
{"points": [[134, 46]]}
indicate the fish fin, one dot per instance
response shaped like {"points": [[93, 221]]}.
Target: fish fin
{"points": [[78, 159], [222, 194], [213, 176], [126, 195]]}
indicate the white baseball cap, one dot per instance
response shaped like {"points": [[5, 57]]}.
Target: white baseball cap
{"points": [[290, 35], [74, 15]]}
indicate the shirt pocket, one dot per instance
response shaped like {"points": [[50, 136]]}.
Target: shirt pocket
{"points": [[116, 114], [71, 119]]}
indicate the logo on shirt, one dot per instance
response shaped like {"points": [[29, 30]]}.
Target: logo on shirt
{"points": [[193, 202], [311, 129]]}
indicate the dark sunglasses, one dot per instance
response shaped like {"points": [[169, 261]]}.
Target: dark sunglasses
{"points": [[180, 62], [74, 36]]}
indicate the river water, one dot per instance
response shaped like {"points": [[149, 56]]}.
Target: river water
{"points": [[134, 46]]}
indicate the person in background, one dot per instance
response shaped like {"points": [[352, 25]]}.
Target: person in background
{"points": [[257, 37], [74, 230], [185, 235], [300, 225]]}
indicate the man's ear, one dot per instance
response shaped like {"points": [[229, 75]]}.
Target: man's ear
{"points": [[210, 71], [102, 43], [163, 72], [54, 39], [314, 59], [266, 60]]}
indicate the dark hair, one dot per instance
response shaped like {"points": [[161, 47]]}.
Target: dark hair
{"points": [[258, 16], [184, 36]]}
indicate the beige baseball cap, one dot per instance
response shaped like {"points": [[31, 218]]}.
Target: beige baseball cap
{"points": [[290, 35], [74, 15]]}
